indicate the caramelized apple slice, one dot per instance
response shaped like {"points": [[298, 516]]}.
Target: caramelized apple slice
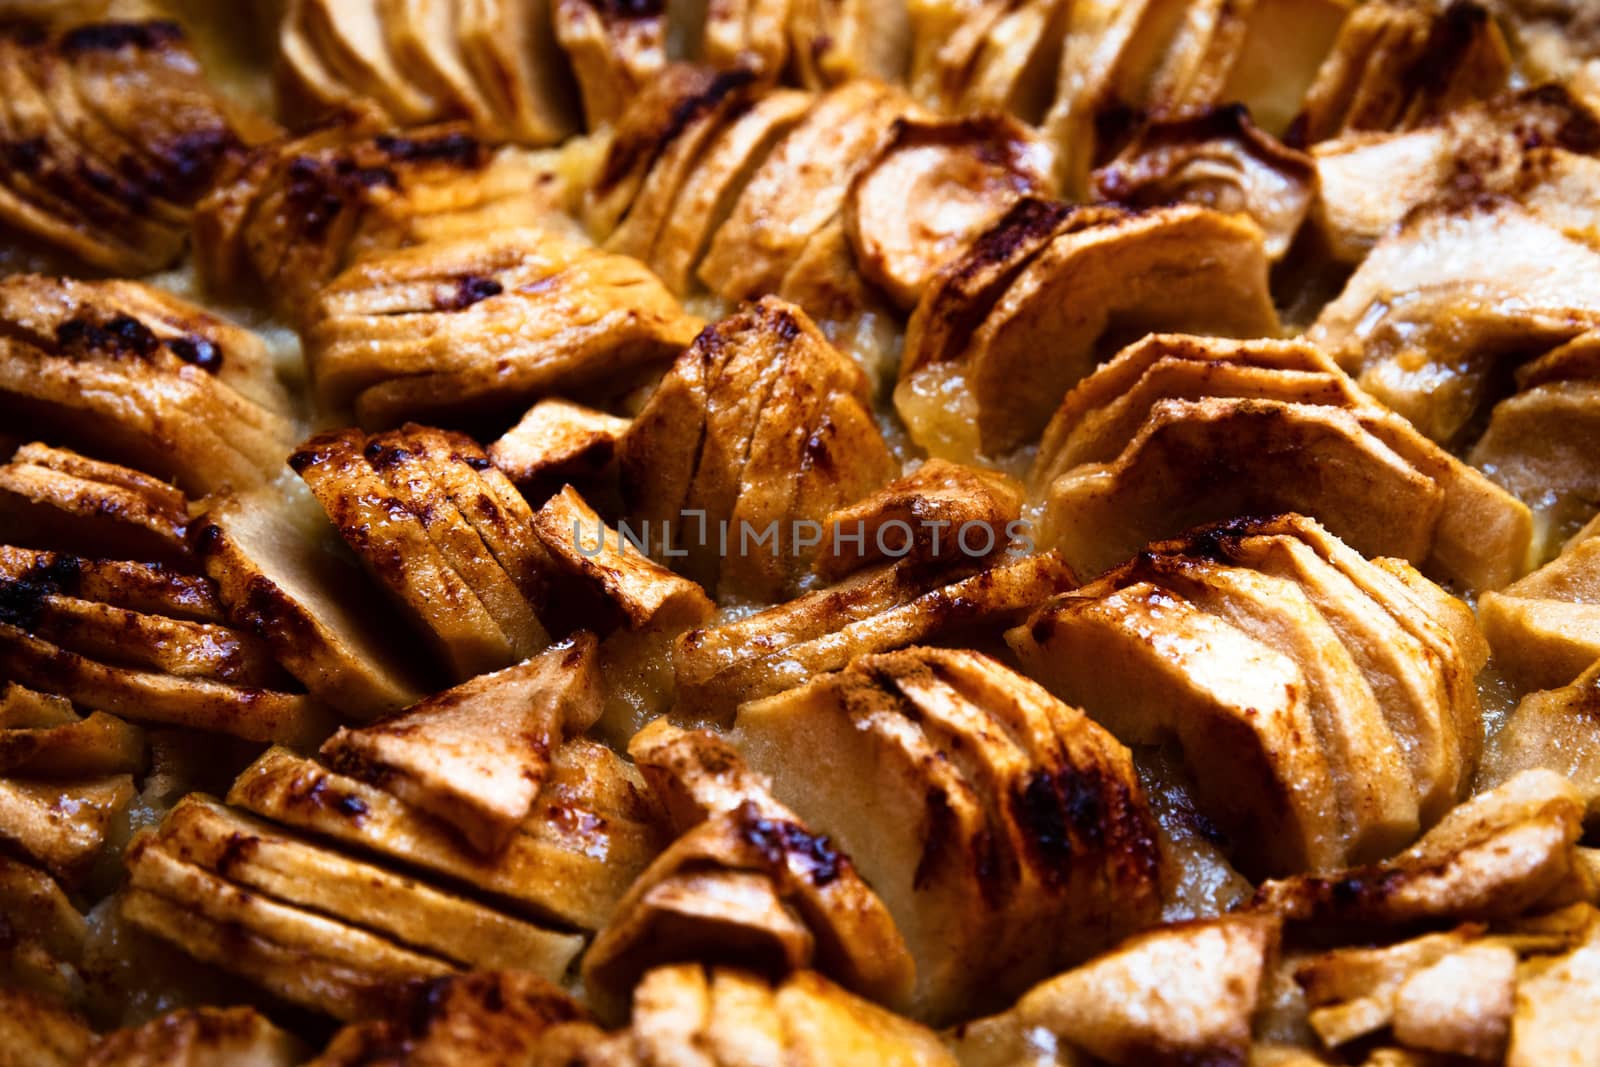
{"points": [[1500, 854], [312, 608], [571, 860], [1077, 291], [229, 1035], [931, 189], [477, 755], [1161, 997], [962, 764]]}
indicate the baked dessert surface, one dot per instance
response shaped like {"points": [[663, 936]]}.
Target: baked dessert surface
{"points": [[567, 532]]}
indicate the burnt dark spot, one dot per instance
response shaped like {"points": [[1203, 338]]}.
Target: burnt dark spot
{"points": [[22, 598], [429, 1004], [1114, 126], [637, 148], [352, 806], [477, 463], [458, 149], [469, 289], [1450, 42], [1042, 815], [207, 539], [313, 197], [121, 335], [24, 157], [239, 848], [817, 454], [198, 351], [1346, 892], [936, 843], [781, 843], [784, 324], [1298, 132], [629, 9], [112, 36], [190, 160]]}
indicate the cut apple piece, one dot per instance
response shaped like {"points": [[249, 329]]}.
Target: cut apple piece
{"points": [[1498, 855], [571, 861], [931, 189], [476, 756], [1163, 997], [876, 610], [964, 765], [1082, 291], [280, 584]]}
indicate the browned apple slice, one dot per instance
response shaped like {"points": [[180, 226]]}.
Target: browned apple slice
{"points": [[1091, 276], [311, 607], [760, 428], [254, 855], [876, 610], [65, 826], [1373, 80], [1220, 159], [1502, 853], [931, 189], [939, 512], [711, 190], [238, 1034], [390, 539], [485, 324], [309, 959], [614, 50], [1160, 997], [571, 861], [555, 441], [477, 755], [971, 761], [799, 187], [148, 697]]}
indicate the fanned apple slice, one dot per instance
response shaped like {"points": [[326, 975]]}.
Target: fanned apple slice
{"points": [[1259, 459], [147, 697], [319, 963], [95, 745], [389, 538], [973, 346], [148, 588], [408, 476], [55, 499], [1236, 708], [571, 860], [257, 857], [800, 186], [711, 190], [930, 189], [477, 755], [312, 608], [614, 50], [877, 610], [988, 778]]}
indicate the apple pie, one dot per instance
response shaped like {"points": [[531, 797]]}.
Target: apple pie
{"points": [[966, 533]]}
